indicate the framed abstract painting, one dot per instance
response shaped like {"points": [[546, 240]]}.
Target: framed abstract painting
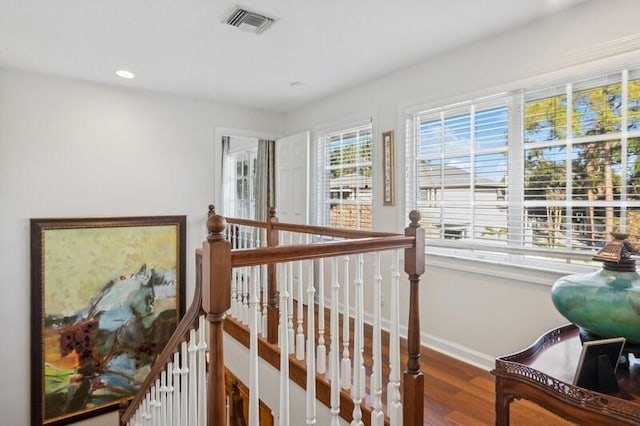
{"points": [[106, 295]]}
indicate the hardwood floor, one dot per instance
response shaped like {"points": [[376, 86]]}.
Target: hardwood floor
{"points": [[456, 393]]}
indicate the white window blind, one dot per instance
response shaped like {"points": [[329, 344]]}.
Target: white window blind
{"points": [[551, 170], [243, 200], [345, 178]]}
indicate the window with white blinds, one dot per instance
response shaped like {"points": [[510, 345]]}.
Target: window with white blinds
{"points": [[345, 178], [553, 170], [242, 193]]}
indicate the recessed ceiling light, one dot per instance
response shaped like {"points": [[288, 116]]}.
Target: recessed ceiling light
{"points": [[297, 85], [125, 74]]}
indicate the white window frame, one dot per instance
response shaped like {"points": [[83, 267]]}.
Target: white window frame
{"points": [[571, 261], [323, 193]]}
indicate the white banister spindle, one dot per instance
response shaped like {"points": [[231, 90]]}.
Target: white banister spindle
{"points": [[176, 388], [283, 417], [334, 353], [184, 385], [377, 416], [290, 330], [300, 330], [163, 398], [234, 277], [193, 385], [202, 372], [170, 394], [345, 367], [245, 282], [394, 402], [311, 344], [321, 357], [357, 391], [254, 399], [264, 284]]}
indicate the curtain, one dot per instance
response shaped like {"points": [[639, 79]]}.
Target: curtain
{"points": [[228, 183], [265, 187]]}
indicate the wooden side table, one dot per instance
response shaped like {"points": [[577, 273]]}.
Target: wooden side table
{"points": [[543, 373]]}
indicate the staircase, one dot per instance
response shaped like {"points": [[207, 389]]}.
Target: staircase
{"points": [[259, 275]]}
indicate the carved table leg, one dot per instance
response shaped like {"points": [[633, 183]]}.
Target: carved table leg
{"points": [[502, 404]]}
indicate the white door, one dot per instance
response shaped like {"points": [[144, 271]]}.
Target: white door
{"points": [[292, 179]]}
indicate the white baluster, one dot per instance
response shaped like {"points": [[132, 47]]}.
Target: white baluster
{"points": [[158, 405], [184, 385], [358, 363], [290, 330], [146, 410], [245, 282], [377, 416], [202, 375], [163, 398], [284, 359], [177, 391], [334, 353], [394, 402], [264, 284], [311, 344], [234, 278], [345, 367], [254, 401], [321, 357], [193, 374], [169, 391], [300, 331]]}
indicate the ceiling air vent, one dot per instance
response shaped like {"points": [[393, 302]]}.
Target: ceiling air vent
{"points": [[248, 21]]}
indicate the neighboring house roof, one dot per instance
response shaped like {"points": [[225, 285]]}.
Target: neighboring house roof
{"points": [[454, 177]]}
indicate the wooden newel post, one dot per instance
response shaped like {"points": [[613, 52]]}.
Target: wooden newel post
{"points": [[413, 386], [273, 311], [216, 300]]}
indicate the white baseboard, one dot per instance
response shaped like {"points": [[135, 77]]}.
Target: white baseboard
{"points": [[452, 349]]}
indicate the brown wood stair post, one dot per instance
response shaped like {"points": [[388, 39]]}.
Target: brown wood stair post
{"points": [[273, 310], [413, 385], [216, 300]]}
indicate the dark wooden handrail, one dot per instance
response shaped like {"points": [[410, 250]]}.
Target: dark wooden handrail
{"points": [[128, 408], [279, 254], [212, 297]]}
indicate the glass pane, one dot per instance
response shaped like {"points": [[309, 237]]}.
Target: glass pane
{"points": [[491, 128], [490, 221], [457, 133], [596, 171], [545, 174], [545, 119], [430, 220], [597, 110], [633, 169], [429, 138], [490, 181], [633, 117], [429, 180], [544, 227]]}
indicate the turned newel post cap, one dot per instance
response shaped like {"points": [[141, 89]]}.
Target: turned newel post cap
{"points": [[414, 217], [215, 226], [272, 212]]}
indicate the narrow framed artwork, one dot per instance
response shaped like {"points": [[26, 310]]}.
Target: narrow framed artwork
{"points": [[388, 169], [106, 296]]}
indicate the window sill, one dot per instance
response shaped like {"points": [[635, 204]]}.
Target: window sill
{"points": [[539, 272]]}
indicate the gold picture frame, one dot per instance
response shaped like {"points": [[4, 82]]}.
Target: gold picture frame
{"points": [[388, 181], [106, 295]]}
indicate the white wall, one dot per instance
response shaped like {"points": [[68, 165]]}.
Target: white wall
{"points": [[490, 310], [69, 148]]}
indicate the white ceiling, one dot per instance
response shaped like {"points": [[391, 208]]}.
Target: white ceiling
{"points": [[183, 47]]}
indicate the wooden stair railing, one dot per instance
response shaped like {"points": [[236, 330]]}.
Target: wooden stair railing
{"points": [[213, 298]]}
